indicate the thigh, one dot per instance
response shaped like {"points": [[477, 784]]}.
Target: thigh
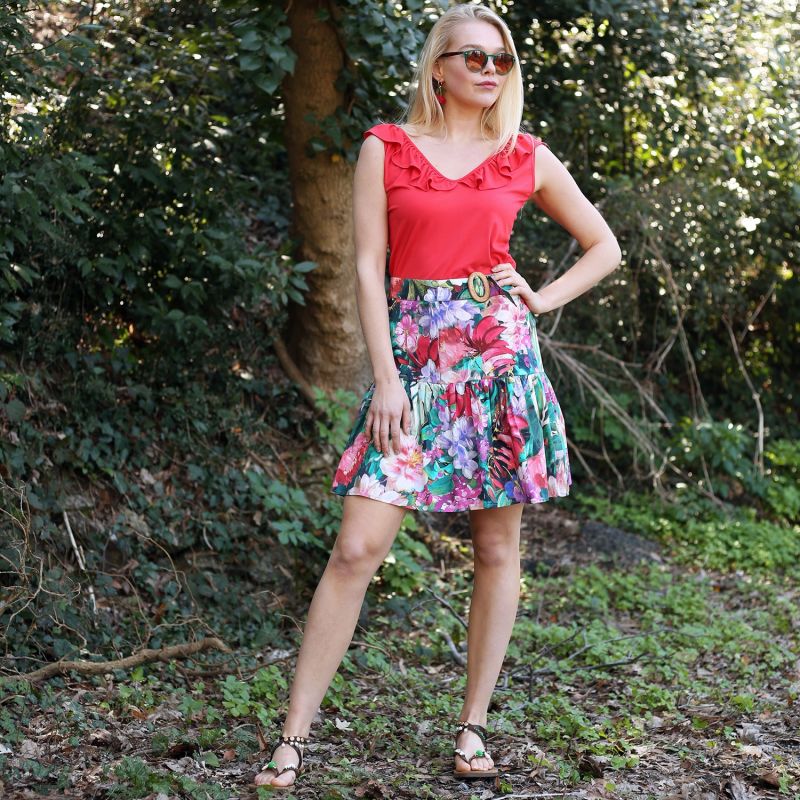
{"points": [[368, 528]]}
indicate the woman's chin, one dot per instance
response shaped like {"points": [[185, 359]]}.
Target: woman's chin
{"points": [[476, 103]]}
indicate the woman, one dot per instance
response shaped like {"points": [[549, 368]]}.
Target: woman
{"points": [[461, 415]]}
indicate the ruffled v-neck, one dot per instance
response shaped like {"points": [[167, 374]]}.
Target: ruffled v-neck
{"points": [[494, 171], [440, 227]]}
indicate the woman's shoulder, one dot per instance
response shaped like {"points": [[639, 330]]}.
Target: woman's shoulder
{"points": [[385, 131], [527, 142]]}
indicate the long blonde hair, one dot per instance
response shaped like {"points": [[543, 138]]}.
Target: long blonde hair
{"points": [[502, 120]]}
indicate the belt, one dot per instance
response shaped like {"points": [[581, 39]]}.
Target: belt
{"points": [[478, 285]]}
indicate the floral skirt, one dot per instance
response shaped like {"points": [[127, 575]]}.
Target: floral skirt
{"points": [[487, 429]]}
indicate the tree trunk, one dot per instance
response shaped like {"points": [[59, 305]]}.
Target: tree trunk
{"points": [[324, 337]]}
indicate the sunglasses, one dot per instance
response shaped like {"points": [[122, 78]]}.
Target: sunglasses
{"points": [[476, 60]]}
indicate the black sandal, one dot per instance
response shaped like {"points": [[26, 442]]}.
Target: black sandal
{"points": [[298, 742], [479, 753]]}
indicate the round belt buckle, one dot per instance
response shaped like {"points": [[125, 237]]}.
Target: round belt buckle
{"points": [[478, 285]]}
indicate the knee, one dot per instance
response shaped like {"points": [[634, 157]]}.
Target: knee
{"points": [[495, 549], [353, 557]]}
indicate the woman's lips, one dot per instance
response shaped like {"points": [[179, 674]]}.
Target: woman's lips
{"points": [[487, 84]]}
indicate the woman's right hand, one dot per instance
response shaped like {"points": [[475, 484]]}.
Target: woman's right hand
{"points": [[389, 414]]}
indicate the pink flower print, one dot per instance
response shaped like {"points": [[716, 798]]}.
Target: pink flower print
{"points": [[557, 484], [514, 319], [351, 459], [480, 418], [533, 474], [452, 349], [462, 496], [425, 498], [406, 332], [370, 486], [404, 470]]}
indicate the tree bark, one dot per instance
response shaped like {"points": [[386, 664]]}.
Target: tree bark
{"points": [[324, 337]]}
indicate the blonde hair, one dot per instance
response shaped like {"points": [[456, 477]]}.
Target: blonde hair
{"points": [[502, 120]]}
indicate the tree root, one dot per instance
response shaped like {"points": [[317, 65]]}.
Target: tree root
{"points": [[142, 657], [293, 372]]}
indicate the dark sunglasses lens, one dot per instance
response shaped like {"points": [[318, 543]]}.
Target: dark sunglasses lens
{"points": [[476, 60], [503, 63]]}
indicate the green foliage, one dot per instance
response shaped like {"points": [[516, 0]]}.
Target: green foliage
{"points": [[725, 452], [782, 493], [146, 265], [335, 411], [135, 779], [137, 193], [403, 571], [665, 648], [701, 532]]}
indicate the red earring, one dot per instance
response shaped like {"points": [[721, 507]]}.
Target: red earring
{"points": [[439, 91]]}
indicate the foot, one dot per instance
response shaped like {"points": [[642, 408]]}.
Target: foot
{"points": [[285, 754], [469, 742]]}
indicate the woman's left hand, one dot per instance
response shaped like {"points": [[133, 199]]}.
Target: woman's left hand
{"points": [[507, 276]]}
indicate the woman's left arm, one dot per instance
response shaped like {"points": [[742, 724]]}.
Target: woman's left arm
{"points": [[557, 194]]}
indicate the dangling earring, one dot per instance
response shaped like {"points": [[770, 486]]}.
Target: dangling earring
{"points": [[439, 92]]}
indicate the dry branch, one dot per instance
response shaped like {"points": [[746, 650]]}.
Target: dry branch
{"points": [[78, 550], [758, 458], [293, 372], [450, 608], [142, 657]]}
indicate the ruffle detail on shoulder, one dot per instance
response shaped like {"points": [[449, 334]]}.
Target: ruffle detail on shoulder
{"points": [[496, 171]]}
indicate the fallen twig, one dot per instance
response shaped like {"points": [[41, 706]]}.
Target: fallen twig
{"points": [[450, 608], [458, 657], [142, 657]]}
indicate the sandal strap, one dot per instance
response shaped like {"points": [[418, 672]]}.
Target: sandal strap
{"points": [[461, 754], [482, 733], [301, 740], [295, 742], [475, 728], [280, 770]]}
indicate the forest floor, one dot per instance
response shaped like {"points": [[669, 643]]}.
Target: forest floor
{"points": [[628, 676]]}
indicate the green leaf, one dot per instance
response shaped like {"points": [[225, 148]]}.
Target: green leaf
{"points": [[15, 410], [267, 83], [250, 41], [249, 62], [296, 296]]}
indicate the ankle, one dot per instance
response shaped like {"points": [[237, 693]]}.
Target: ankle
{"points": [[473, 719], [295, 727], [295, 738]]}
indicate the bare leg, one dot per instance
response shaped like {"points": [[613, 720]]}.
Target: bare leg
{"points": [[365, 537], [493, 610]]}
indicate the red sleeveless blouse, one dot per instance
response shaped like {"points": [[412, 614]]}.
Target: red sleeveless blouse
{"points": [[444, 228]]}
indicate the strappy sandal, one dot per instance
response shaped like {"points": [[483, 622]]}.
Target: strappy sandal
{"points": [[479, 753], [298, 742]]}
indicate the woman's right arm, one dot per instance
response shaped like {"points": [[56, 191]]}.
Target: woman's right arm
{"points": [[389, 408]]}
